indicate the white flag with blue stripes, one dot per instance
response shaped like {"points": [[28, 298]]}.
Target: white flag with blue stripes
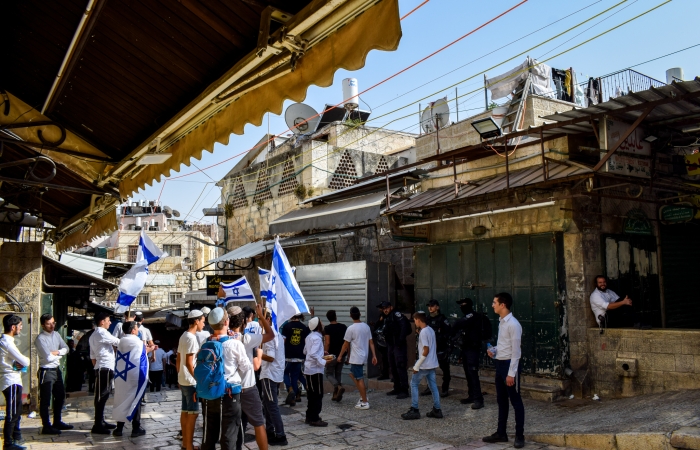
{"points": [[238, 290], [286, 299], [134, 280], [264, 282], [130, 377]]}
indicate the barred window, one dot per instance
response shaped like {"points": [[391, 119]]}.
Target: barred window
{"points": [[173, 249], [173, 297], [143, 300], [132, 252]]}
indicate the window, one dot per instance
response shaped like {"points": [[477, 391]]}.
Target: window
{"points": [[174, 296], [173, 249], [143, 300], [132, 252]]}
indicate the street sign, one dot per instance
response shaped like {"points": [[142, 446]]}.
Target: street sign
{"points": [[628, 165], [637, 223], [678, 213], [213, 282]]}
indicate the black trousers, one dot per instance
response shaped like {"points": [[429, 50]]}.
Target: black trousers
{"points": [[13, 411], [446, 377], [273, 419], [156, 377], [222, 424], [398, 360], [504, 393], [314, 396], [470, 362], [51, 385], [135, 421], [103, 384], [383, 361]]}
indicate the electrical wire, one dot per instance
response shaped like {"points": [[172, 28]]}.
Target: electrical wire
{"points": [[414, 9]]}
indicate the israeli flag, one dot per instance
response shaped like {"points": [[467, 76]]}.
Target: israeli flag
{"points": [[130, 377], [264, 282], [286, 300], [134, 280], [238, 290]]}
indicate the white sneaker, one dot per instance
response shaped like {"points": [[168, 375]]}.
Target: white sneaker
{"points": [[362, 405], [359, 402]]}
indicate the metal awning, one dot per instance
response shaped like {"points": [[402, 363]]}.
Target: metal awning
{"points": [[78, 279], [98, 267], [97, 85], [440, 197], [253, 249], [330, 215]]}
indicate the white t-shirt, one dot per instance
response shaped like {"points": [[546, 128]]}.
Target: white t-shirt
{"points": [[274, 370], [145, 333], [236, 363], [188, 344], [202, 336], [253, 327], [167, 356], [250, 342], [426, 338], [358, 335], [600, 301], [158, 363], [118, 332]]}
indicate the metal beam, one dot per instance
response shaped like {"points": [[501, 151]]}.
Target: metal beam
{"points": [[622, 139], [57, 187]]}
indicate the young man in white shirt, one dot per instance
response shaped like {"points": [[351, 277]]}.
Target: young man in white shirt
{"points": [[102, 346], [144, 333], [50, 348], [187, 349], [251, 405], [271, 375], [358, 338], [506, 356], [204, 334], [118, 332], [604, 299], [314, 366], [424, 368], [223, 415], [11, 364]]}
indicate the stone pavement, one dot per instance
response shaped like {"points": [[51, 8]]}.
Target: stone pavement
{"points": [[382, 428]]}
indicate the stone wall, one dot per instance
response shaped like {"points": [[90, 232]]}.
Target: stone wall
{"points": [[657, 361], [21, 276]]}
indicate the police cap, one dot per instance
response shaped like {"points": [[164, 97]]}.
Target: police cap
{"points": [[384, 304]]}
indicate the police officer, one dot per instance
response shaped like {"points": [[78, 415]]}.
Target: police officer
{"points": [[441, 326], [396, 330], [468, 328], [380, 344]]}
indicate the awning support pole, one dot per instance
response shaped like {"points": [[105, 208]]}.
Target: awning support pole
{"points": [[622, 139], [544, 160], [505, 146], [388, 194], [454, 171]]}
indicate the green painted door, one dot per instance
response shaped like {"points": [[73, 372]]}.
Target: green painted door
{"points": [[524, 266]]}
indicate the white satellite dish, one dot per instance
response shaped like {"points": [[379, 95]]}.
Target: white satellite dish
{"points": [[435, 116], [301, 118]]}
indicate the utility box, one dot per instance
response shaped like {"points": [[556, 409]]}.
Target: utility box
{"points": [[340, 286]]}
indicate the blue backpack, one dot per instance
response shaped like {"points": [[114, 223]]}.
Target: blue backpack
{"points": [[209, 371]]}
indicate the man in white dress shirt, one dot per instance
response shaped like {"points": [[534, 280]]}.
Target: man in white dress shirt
{"points": [[506, 356], [118, 332], [50, 348], [604, 299], [102, 345], [11, 364], [271, 375]]}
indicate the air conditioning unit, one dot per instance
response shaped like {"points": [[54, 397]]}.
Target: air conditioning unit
{"points": [[153, 229], [137, 228]]}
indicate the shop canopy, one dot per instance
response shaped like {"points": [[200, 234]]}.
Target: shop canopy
{"points": [[121, 94]]}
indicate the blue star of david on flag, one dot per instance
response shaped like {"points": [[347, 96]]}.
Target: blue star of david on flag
{"points": [[238, 290], [128, 365]]}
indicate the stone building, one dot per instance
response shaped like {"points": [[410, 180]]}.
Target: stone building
{"points": [[540, 211]]}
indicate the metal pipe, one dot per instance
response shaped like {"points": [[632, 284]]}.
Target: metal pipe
{"points": [[457, 104], [69, 53]]}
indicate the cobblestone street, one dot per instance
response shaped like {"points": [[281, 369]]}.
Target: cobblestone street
{"points": [[348, 427]]}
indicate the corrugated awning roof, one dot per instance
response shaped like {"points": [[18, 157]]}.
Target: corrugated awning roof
{"points": [[629, 107], [330, 215], [373, 184], [253, 249], [435, 198], [91, 279]]}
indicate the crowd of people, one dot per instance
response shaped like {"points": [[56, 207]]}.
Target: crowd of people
{"points": [[231, 362]]}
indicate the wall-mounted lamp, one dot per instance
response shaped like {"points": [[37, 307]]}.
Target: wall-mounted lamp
{"points": [[487, 128]]}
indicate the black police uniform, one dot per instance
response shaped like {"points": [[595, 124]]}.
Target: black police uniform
{"points": [[470, 328], [441, 326], [381, 347], [396, 330]]}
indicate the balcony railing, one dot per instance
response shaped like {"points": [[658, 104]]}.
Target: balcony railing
{"points": [[623, 82]]}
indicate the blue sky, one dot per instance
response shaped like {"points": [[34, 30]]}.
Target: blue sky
{"points": [[669, 28]]}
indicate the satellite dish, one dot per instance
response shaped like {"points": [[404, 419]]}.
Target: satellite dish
{"points": [[435, 116], [168, 211], [301, 118], [176, 213]]}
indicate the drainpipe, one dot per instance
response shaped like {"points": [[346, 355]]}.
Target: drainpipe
{"points": [[69, 53]]}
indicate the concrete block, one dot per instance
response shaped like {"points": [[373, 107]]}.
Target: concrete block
{"points": [[591, 441], [626, 367], [642, 441], [686, 437], [685, 363]]}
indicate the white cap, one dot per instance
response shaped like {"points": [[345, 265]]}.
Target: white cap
{"points": [[194, 314], [313, 323], [206, 310]]}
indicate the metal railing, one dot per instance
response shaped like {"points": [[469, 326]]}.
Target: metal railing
{"points": [[623, 82]]}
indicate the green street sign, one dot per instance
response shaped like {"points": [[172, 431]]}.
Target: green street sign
{"points": [[677, 213], [637, 223]]}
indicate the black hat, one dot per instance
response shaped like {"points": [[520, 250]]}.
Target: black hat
{"points": [[465, 301], [384, 304], [433, 302]]}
